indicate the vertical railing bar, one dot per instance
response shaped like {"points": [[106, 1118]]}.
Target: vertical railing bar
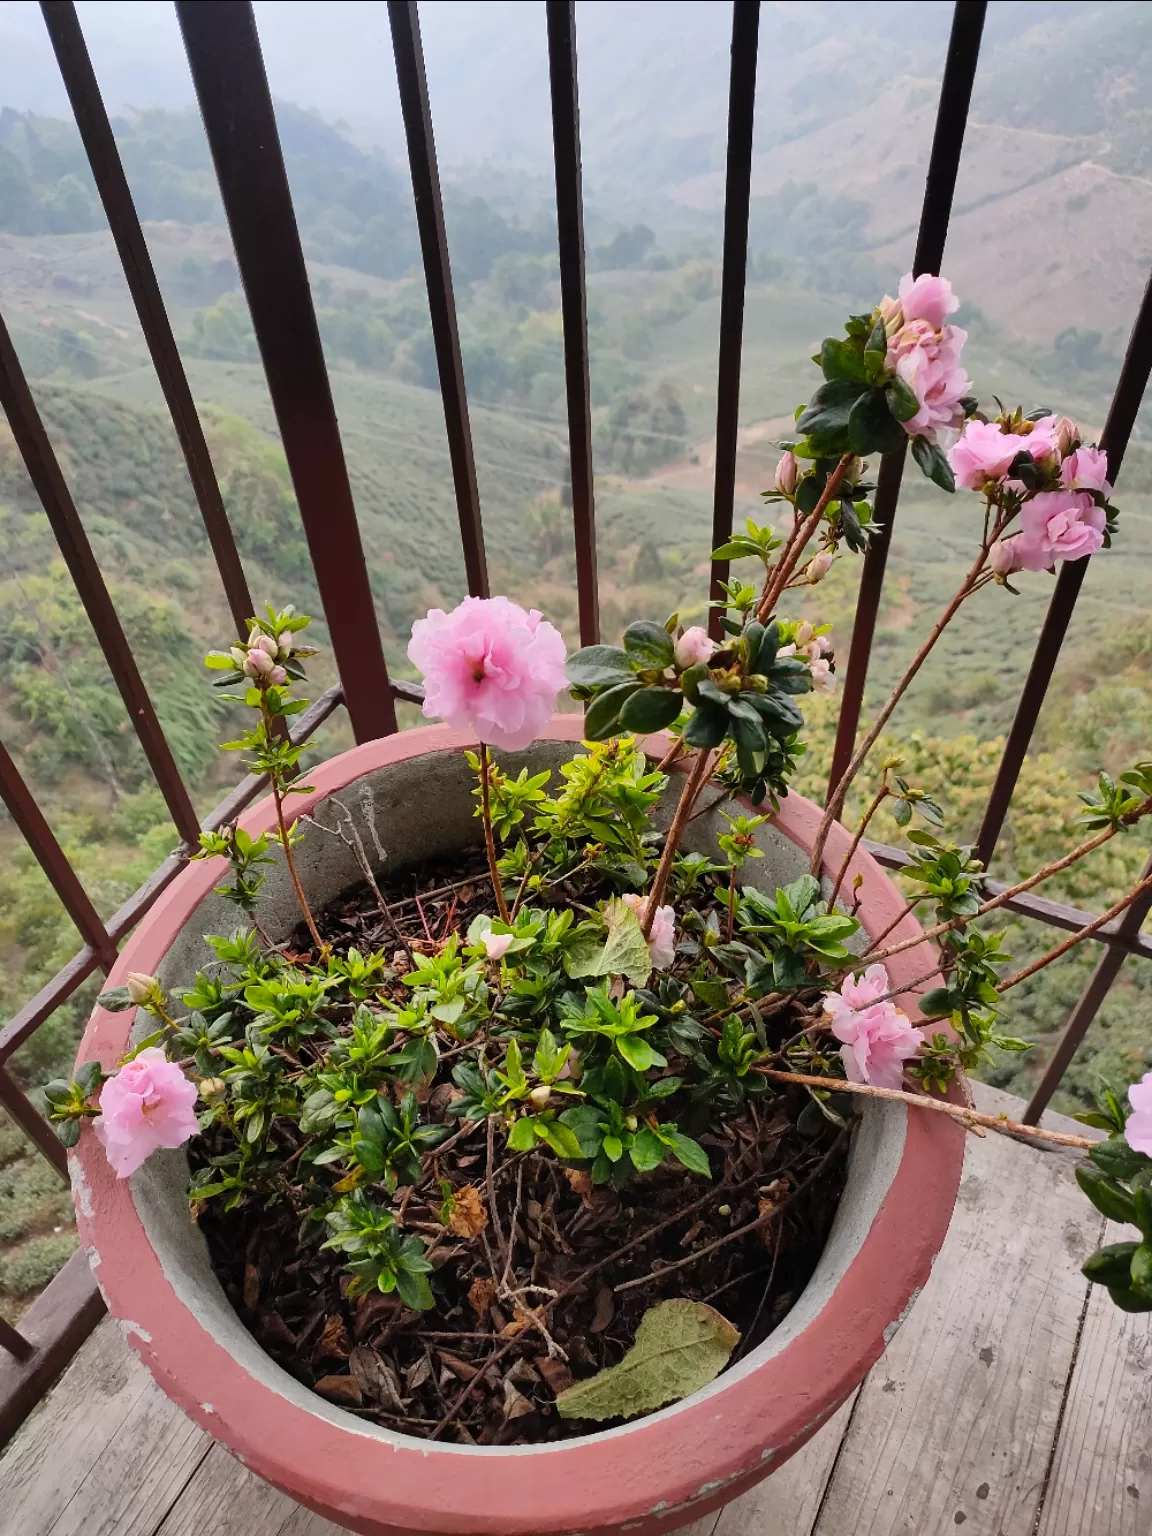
{"points": [[52, 859], [108, 172], [1122, 413], [1088, 1005], [33, 1124], [737, 194], [562, 70], [413, 83], [232, 89], [939, 190], [56, 499], [12, 1340]]}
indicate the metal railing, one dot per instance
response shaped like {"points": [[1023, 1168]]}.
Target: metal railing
{"points": [[223, 50]]}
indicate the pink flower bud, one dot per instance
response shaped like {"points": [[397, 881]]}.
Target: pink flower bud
{"points": [[819, 565], [804, 633], [284, 641], [258, 663], [787, 473], [278, 676], [1067, 434], [1002, 558], [263, 643], [693, 647], [141, 987], [496, 944]]}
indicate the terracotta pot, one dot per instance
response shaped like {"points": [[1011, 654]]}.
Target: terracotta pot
{"points": [[411, 796]]}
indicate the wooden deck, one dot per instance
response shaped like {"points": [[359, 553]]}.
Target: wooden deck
{"points": [[1013, 1402]]}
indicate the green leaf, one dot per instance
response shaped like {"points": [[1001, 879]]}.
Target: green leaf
{"points": [[1141, 1268], [624, 952], [415, 1292], [637, 1052], [1117, 1159], [562, 1141], [88, 1076], [598, 666], [116, 1000], [902, 401], [871, 428], [707, 725], [603, 714], [1106, 1195], [1110, 1265], [691, 1154], [522, 1136], [840, 360], [651, 709], [649, 644], [1130, 1301], [680, 1347], [831, 406], [936, 1003], [220, 661], [933, 463], [647, 1151]]}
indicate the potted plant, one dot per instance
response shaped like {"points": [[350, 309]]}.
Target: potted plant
{"points": [[537, 1153]]}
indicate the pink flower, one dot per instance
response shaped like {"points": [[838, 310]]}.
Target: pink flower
{"points": [[148, 1104], [823, 677], [490, 667], [662, 939], [1003, 557], [1058, 525], [496, 944], [693, 647], [1086, 470], [983, 454], [787, 472], [1138, 1130], [877, 1037], [927, 298], [928, 361]]}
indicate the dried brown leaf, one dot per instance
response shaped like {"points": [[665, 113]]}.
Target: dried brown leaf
{"points": [[376, 1377], [461, 1369], [340, 1389], [418, 1373], [516, 1405], [468, 1218], [333, 1341], [581, 1181], [481, 1295], [555, 1373], [251, 1286], [605, 1310]]}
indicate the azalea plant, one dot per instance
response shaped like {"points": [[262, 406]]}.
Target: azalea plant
{"points": [[617, 1005]]}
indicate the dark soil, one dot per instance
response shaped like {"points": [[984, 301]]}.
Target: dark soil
{"points": [[542, 1295]]}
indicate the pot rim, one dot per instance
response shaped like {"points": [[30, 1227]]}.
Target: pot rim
{"points": [[653, 1474]]}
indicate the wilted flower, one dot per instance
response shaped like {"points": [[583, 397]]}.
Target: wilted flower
{"points": [[1138, 1128], [490, 667], [694, 646], [787, 473], [1058, 525], [1086, 469], [877, 1038], [148, 1104], [662, 939], [983, 454]]}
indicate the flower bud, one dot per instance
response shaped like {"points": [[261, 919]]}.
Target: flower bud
{"points": [[142, 988], [892, 315], [694, 647], [284, 642], [278, 676], [258, 663], [1002, 558], [540, 1096], [239, 655], [819, 565], [213, 1088], [1067, 435], [787, 473], [804, 633], [263, 643]]}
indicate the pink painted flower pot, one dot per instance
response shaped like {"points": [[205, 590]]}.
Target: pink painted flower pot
{"points": [[411, 797]]}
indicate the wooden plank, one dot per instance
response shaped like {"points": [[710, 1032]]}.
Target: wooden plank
{"points": [[225, 1499], [106, 1455], [55, 1326], [955, 1424], [1101, 1480], [787, 1503]]}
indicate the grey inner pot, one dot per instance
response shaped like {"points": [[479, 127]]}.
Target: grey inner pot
{"points": [[404, 813]]}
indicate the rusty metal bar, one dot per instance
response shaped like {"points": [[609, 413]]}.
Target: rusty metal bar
{"points": [[738, 187], [235, 102], [24, 1024], [1088, 1005], [54, 1327], [52, 859], [410, 76], [56, 499], [574, 303], [939, 190], [32, 1123], [112, 184], [1122, 413]]}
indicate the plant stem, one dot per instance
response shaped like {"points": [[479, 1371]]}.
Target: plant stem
{"points": [[292, 871], [1015, 890], [673, 752], [969, 1117], [877, 801], [489, 840], [1083, 933], [836, 799], [895, 923], [697, 778], [778, 577], [731, 903]]}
